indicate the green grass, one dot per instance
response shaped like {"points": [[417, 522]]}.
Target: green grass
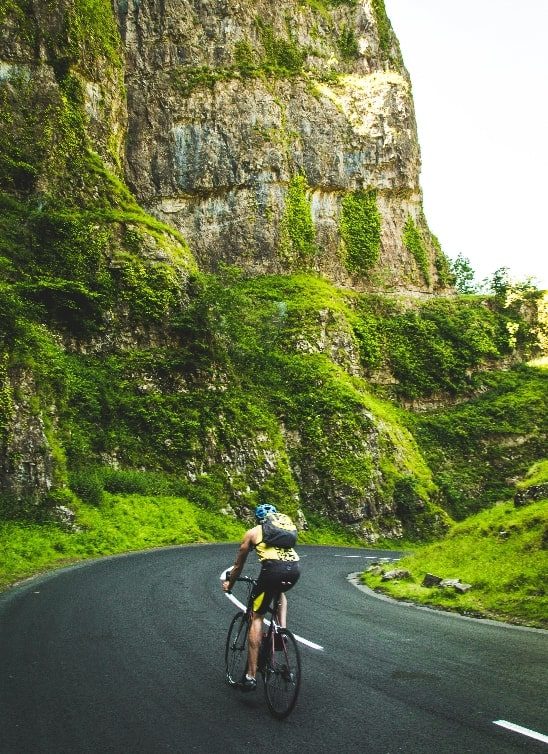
{"points": [[501, 552], [537, 474], [123, 523], [126, 523]]}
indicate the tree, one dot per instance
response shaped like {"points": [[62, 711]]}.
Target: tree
{"points": [[464, 275], [498, 283]]}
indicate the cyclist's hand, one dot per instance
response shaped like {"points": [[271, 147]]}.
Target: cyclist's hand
{"points": [[226, 586]]}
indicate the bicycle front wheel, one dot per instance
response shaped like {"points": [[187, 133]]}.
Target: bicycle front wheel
{"points": [[236, 649], [282, 675]]}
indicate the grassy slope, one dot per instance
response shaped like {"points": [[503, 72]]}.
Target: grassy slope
{"points": [[478, 448], [121, 524], [124, 523], [501, 551]]}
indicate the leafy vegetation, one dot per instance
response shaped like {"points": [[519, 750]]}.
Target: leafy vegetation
{"points": [[325, 7], [439, 346], [360, 228], [298, 242], [442, 263], [476, 448], [414, 243], [501, 552], [254, 342], [463, 275], [383, 26], [281, 55], [92, 33], [347, 43]]}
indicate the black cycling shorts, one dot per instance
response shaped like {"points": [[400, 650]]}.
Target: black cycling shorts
{"points": [[276, 576]]}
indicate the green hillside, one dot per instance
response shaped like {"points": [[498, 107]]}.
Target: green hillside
{"points": [[125, 522], [150, 396], [502, 553]]}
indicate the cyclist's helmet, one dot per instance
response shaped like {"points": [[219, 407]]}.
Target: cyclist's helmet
{"points": [[262, 511]]}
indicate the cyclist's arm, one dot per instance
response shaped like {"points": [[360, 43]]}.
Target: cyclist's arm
{"points": [[245, 548]]}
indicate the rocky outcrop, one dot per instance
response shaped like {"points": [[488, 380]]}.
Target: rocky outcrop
{"points": [[230, 103], [277, 137], [431, 580], [531, 494], [27, 464]]}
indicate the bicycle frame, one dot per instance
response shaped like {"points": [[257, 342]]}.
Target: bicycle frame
{"points": [[279, 658], [272, 610]]}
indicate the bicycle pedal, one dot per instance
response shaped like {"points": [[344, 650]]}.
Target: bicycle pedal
{"points": [[248, 684], [287, 675]]}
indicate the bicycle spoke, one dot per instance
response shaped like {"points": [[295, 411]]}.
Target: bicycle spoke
{"points": [[282, 675], [236, 649]]}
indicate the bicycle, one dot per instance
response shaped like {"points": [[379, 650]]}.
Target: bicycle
{"points": [[279, 658]]}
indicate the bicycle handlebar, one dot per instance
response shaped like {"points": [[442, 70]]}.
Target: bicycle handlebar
{"points": [[248, 579]]}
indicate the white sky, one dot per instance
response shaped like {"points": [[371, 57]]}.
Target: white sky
{"points": [[479, 70]]}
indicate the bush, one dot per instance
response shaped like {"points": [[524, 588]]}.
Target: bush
{"points": [[360, 228], [88, 485]]}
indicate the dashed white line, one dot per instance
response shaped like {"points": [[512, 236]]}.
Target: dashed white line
{"points": [[368, 557], [522, 730]]}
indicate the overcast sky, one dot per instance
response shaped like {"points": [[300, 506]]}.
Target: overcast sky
{"points": [[479, 70]]}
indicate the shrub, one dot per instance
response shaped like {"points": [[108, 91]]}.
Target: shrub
{"points": [[347, 43], [360, 227], [298, 243], [281, 54], [414, 243], [88, 485]]}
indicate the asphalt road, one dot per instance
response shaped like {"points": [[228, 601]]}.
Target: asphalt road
{"points": [[126, 654]]}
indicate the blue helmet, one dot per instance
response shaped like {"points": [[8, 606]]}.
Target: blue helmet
{"points": [[262, 511]]}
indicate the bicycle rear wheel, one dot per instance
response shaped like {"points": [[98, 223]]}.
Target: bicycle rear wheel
{"points": [[282, 675], [236, 649]]}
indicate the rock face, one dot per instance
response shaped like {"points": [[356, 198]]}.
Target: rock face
{"points": [[235, 108], [530, 494], [279, 137], [27, 465]]}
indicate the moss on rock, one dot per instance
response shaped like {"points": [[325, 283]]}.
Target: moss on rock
{"points": [[360, 227]]}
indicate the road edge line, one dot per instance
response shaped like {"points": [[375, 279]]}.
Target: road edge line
{"points": [[520, 729]]}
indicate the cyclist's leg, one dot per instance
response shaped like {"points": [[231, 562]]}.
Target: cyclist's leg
{"points": [[253, 643], [287, 581], [282, 610], [261, 598]]}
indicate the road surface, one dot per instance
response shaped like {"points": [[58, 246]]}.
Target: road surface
{"points": [[125, 654]]}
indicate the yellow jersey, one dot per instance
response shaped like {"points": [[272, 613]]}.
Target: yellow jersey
{"points": [[269, 552]]}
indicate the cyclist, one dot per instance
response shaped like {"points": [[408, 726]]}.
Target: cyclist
{"points": [[280, 571]]}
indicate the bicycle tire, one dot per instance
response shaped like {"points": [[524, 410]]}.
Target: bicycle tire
{"points": [[236, 649], [282, 675]]}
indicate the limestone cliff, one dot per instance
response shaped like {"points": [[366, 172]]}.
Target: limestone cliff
{"points": [[236, 110], [144, 145]]}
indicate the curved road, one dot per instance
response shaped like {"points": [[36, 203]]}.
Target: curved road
{"points": [[125, 654]]}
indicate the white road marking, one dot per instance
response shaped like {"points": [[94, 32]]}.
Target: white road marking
{"points": [[368, 557], [350, 556], [300, 639], [522, 730]]}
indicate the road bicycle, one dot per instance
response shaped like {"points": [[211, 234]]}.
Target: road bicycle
{"points": [[279, 658]]}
